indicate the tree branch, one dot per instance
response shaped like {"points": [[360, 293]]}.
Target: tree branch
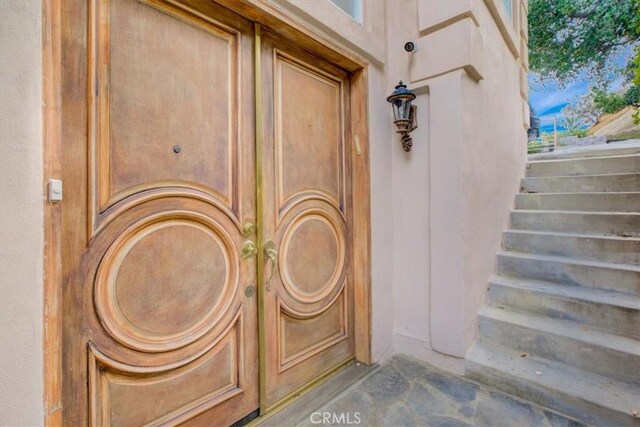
{"points": [[581, 15]]}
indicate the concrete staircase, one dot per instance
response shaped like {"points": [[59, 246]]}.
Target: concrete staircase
{"points": [[562, 328]]}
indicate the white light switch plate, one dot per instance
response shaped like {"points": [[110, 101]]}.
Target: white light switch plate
{"points": [[55, 190]]}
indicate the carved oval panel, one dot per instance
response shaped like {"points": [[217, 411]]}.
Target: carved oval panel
{"points": [[164, 283], [313, 256]]}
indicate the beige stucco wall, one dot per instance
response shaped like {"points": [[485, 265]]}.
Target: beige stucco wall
{"points": [[382, 216], [21, 215], [493, 162], [453, 193], [410, 193], [437, 212]]}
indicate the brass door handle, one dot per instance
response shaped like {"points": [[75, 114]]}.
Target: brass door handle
{"points": [[271, 254], [249, 249], [248, 229]]}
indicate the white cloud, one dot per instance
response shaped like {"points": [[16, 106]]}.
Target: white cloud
{"points": [[554, 96]]}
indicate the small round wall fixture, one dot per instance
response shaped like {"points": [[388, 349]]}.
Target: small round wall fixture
{"points": [[404, 113]]}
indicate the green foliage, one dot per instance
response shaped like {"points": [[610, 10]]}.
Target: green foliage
{"points": [[636, 67], [631, 134], [611, 102], [567, 37], [539, 145], [576, 118], [636, 64], [632, 95], [571, 123], [608, 102], [534, 147], [580, 133]]}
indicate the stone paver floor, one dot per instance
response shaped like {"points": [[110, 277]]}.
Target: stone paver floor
{"points": [[406, 392]]}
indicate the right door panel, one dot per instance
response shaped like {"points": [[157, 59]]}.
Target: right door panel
{"points": [[308, 294]]}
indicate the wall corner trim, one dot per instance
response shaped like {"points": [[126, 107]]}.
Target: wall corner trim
{"points": [[509, 34]]}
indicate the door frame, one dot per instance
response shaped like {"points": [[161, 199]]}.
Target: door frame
{"points": [[262, 14]]}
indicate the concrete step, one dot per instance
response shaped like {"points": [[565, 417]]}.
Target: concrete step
{"points": [[592, 202], [585, 166], [607, 223], [562, 341], [625, 250], [587, 397], [570, 271], [613, 149], [584, 183], [596, 309]]}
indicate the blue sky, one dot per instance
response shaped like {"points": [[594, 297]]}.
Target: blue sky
{"points": [[549, 99]]}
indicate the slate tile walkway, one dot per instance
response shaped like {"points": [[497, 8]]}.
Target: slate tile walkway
{"points": [[406, 392]]}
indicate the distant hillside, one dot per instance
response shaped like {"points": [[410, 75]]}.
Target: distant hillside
{"points": [[616, 126]]}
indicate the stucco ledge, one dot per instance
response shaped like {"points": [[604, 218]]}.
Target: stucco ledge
{"points": [[458, 46]]}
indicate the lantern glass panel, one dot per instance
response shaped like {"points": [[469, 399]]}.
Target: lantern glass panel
{"points": [[396, 109], [401, 109]]}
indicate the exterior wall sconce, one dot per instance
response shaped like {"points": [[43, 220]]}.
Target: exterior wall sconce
{"points": [[404, 114]]}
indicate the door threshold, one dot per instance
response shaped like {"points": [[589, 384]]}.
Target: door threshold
{"points": [[246, 420], [295, 409]]}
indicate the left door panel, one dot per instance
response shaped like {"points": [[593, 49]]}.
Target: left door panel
{"points": [[159, 172]]}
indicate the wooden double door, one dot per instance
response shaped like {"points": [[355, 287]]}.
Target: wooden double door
{"points": [[207, 253]]}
